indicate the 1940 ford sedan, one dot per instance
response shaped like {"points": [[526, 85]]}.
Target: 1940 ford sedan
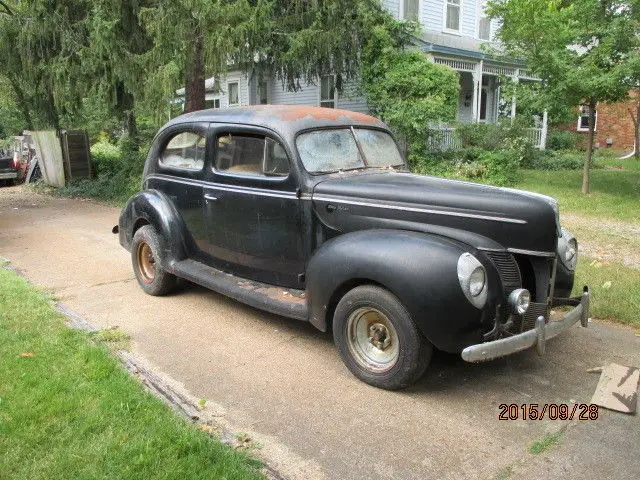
{"points": [[310, 213]]}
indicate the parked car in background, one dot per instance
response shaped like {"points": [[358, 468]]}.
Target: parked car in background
{"points": [[10, 169], [310, 213]]}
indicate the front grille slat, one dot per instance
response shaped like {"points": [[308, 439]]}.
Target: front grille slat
{"points": [[534, 311], [508, 270]]}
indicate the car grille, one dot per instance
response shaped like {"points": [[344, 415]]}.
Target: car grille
{"points": [[534, 311], [508, 270]]}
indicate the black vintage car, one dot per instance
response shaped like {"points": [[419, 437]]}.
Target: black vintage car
{"points": [[311, 214]]}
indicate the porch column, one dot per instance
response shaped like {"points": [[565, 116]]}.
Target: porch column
{"points": [[543, 132], [513, 98], [477, 86]]}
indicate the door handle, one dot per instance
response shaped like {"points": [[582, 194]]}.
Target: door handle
{"points": [[210, 198]]}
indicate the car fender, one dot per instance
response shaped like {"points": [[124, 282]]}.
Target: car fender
{"points": [[152, 207], [418, 268]]}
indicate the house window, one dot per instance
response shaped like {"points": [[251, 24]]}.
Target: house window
{"points": [[233, 90], [262, 92], [410, 9], [452, 16], [583, 119], [213, 103], [484, 23], [328, 91]]}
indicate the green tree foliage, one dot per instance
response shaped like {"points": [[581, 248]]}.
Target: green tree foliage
{"points": [[408, 91], [581, 49]]}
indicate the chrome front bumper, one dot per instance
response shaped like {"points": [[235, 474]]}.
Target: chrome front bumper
{"points": [[8, 175], [537, 336]]}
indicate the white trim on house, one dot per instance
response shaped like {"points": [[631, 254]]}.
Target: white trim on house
{"points": [[579, 127], [335, 92], [445, 29], [236, 104], [401, 10]]}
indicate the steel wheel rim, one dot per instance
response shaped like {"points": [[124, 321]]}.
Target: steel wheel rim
{"points": [[146, 263], [372, 340]]}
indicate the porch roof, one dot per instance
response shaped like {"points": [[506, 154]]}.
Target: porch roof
{"points": [[461, 46]]}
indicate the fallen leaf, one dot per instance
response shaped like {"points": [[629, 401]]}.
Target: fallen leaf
{"points": [[26, 355], [606, 285], [208, 428], [594, 370]]}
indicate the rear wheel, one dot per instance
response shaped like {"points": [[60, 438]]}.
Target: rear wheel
{"points": [[145, 257], [378, 340]]}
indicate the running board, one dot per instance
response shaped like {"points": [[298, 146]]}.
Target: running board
{"points": [[279, 300]]}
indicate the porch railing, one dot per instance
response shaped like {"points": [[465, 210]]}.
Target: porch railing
{"points": [[446, 138]]}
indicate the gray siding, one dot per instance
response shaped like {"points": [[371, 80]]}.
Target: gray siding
{"points": [[392, 6], [351, 99], [308, 95]]}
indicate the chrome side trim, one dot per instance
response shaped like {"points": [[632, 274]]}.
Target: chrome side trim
{"points": [[533, 253], [228, 188], [323, 198]]}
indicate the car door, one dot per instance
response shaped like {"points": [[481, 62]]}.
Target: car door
{"points": [[179, 172], [252, 210]]}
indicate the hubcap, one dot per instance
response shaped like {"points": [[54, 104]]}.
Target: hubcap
{"points": [[146, 263], [372, 340]]}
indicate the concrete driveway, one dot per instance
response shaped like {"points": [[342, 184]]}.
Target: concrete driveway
{"points": [[282, 382]]}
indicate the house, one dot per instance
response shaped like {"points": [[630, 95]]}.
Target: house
{"points": [[453, 34], [614, 127]]}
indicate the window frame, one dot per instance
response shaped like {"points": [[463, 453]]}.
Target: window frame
{"points": [[579, 127], [223, 130], [482, 5], [237, 83], [265, 84], [165, 143], [335, 91], [402, 13], [444, 18]]}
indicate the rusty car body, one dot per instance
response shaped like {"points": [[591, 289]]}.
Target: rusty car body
{"points": [[310, 213]]}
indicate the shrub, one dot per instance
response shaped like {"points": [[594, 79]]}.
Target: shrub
{"points": [[492, 136], [558, 140]]}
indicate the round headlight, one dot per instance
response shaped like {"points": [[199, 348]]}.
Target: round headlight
{"points": [[519, 300], [473, 279], [477, 279]]}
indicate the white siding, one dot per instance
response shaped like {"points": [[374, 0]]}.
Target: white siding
{"points": [[468, 23], [392, 6], [308, 95], [432, 14], [352, 99], [243, 89]]}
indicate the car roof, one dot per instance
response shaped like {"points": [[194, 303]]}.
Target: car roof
{"points": [[287, 120]]}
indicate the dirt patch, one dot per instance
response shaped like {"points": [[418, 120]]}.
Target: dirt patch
{"points": [[606, 240]]}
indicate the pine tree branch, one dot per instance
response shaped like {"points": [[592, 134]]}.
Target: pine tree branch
{"points": [[8, 11]]}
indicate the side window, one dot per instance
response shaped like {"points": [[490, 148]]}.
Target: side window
{"points": [[184, 150], [251, 155]]}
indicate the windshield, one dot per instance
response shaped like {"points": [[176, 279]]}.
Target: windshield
{"points": [[324, 151]]}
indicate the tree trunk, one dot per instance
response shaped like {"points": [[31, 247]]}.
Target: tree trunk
{"points": [[22, 102], [51, 112], [587, 160], [637, 131], [194, 75]]}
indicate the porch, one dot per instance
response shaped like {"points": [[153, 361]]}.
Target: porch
{"points": [[481, 99]]}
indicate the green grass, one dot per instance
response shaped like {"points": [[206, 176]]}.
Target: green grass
{"points": [[615, 193], [547, 442], [615, 290], [69, 410]]}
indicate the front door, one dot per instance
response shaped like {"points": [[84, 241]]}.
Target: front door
{"points": [[252, 211]]}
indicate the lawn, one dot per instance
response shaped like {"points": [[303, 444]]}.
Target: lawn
{"points": [[69, 410], [615, 192], [615, 290]]}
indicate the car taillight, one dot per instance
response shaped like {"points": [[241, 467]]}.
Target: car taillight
{"points": [[16, 163]]}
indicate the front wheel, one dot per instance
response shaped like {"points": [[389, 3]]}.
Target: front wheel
{"points": [[145, 257], [378, 340]]}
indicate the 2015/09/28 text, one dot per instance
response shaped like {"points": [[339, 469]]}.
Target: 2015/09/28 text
{"points": [[550, 411]]}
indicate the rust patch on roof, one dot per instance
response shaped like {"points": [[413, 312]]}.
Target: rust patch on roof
{"points": [[292, 113]]}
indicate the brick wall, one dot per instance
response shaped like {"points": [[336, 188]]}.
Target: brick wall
{"points": [[613, 123]]}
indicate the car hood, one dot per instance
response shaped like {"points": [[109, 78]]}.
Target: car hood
{"points": [[484, 216]]}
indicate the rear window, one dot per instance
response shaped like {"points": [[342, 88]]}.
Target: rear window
{"points": [[185, 150]]}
